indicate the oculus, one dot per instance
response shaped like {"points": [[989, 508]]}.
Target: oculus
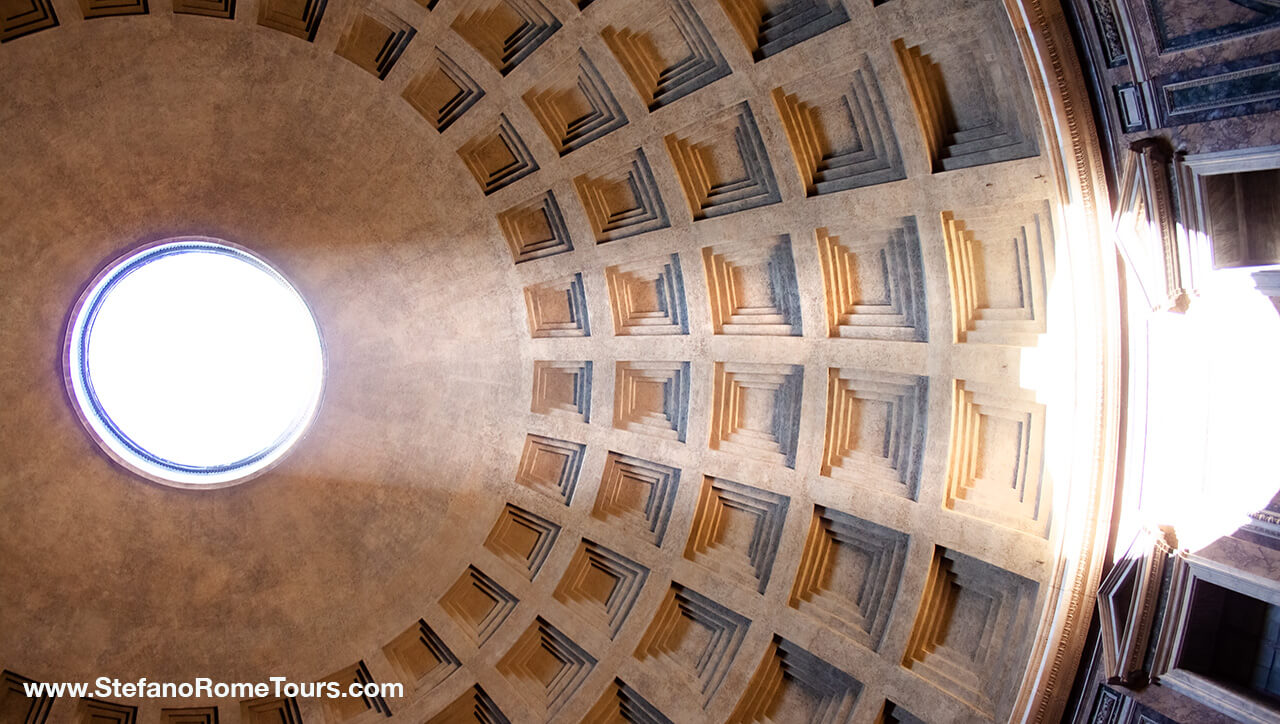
{"points": [[194, 363]]}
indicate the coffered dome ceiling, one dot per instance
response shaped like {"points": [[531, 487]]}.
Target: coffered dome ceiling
{"points": [[692, 359]]}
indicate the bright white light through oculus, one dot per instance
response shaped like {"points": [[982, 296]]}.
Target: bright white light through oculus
{"points": [[195, 362]]}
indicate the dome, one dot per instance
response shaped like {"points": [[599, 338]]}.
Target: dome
{"points": [[684, 360]]}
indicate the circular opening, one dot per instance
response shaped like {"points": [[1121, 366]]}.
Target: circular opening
{"points": [[194, 363]]}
